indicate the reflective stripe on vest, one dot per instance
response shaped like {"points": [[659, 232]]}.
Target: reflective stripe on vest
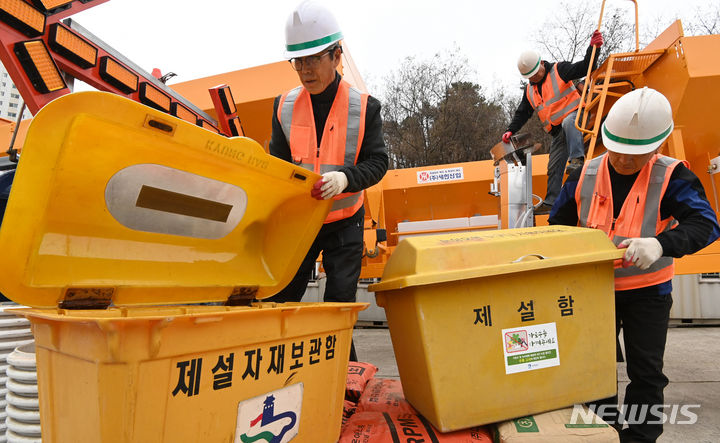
{"points": [[285, 114], [339, 145], [558, 99], [595, 210]]}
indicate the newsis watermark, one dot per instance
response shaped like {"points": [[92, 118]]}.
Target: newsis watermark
{"points": [[676, 414]]}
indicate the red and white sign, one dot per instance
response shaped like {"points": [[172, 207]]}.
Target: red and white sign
{"points": [[440, 175]]}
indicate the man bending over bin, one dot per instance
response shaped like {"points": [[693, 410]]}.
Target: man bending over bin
{"points": [[656, 208]]}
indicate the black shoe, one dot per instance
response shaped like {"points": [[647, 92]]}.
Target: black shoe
{"points": [[544, 208], [626, 436]]}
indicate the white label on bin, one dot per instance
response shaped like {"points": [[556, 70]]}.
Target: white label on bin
{"points": [[274, 416], [440, 175], [530, 347]]}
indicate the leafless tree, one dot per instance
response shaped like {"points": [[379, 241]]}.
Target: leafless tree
{"points": [[411, 92], [566, 35], [705, 21], [433, 115], [467, 124]]}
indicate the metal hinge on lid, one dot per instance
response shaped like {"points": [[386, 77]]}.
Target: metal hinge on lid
{"points": [[242, 296], [87, 298]]}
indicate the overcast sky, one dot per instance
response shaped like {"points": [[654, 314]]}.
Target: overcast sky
{"points": [[204, 37]]}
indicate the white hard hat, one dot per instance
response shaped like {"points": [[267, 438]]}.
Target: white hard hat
{"points": [[528, 64], [310, 29], [638, 123]]}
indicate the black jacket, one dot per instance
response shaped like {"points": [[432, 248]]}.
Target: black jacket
{"points": [[567, 71]]}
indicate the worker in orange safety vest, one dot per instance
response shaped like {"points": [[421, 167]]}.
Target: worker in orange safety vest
{"points": [[333, 129], [656, 208], [552, 94]]}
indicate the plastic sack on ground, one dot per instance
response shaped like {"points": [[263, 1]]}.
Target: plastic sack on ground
{"points": [[401, 427], [357, 377], [349, 409], [384, 395]]}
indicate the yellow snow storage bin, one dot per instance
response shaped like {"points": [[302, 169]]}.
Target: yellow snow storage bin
{"points": [[193, 374], [140, 242], [489, 326]]}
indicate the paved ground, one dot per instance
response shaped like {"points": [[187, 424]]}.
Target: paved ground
{"points": [[691, 364]]}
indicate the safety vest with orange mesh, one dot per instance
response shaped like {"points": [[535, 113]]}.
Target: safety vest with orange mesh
{"points": [[558, 99], [340, 143], [639, 215]]}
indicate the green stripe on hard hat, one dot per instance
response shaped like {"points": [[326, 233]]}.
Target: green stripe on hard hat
{"points": [[314, 43], [533, 68], [633, 141]]}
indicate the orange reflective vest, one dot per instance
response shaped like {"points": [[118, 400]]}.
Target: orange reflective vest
{"points": [[558, 99], [639, 215], [340, 143]]}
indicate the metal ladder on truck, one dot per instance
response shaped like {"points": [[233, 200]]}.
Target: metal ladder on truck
{"points": [[617, 76]]}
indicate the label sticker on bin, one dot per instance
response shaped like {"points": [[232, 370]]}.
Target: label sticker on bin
{"points": [[271, 417], [530, 347]]}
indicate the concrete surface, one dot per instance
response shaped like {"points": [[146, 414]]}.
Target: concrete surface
{"points": [[691, 364]]}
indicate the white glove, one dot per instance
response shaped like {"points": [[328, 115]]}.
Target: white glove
{"points": [[642, 252], [334, 183]]}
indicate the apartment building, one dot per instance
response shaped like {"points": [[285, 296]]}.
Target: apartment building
{"points": [[10, 99]]}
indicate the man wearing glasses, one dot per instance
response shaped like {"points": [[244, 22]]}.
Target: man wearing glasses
{"points": [[335, 130]]}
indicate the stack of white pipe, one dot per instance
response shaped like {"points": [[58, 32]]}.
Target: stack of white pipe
{"points": [[23, 407], [14, 332]]}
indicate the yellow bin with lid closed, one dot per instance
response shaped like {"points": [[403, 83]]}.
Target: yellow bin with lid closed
{"points": [[141, 242], [493, 325]]}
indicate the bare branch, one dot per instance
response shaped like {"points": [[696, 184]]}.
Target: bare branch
{"points": [[434, 115]]}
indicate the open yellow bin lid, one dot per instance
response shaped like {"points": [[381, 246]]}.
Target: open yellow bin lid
{"points": [[113, 200], [444, 258]]}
